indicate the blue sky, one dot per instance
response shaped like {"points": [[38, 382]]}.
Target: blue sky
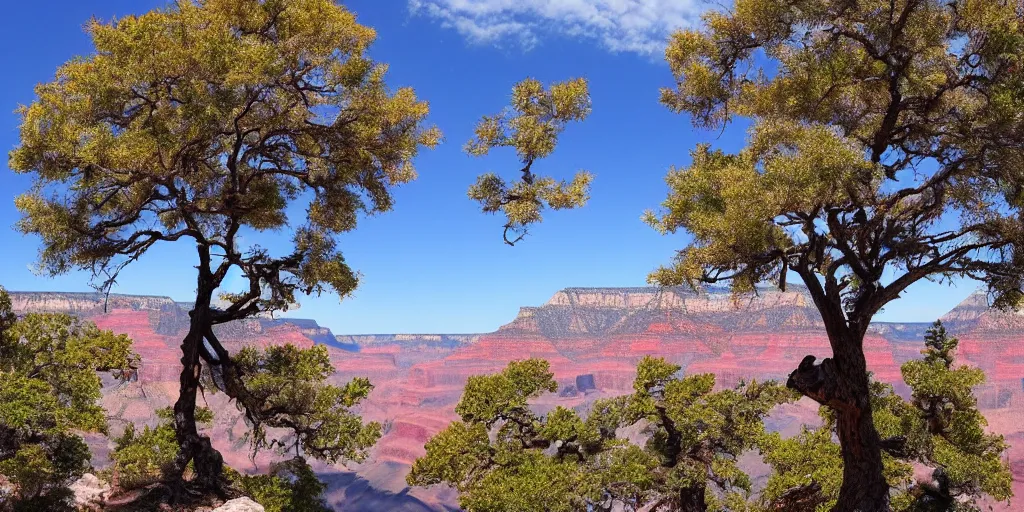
{"points": [[435, 263]]}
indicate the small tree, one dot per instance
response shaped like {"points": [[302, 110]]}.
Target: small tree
{"points": [[698, 434], [145, 457], [49, 389], [940, 428], [967, 462], [203, 121], [503, 457], [494, 454], [531, 126], [884, 149]]}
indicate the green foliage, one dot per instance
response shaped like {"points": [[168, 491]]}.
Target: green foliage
{"points": [[970, 458], [814, 457], [531, 126], [939, 427], [810, 457], [491, 398], [286, 389], [202, 122], [289, 406], [215, 115], [501, 456], [145, 457], [290, 486], [49, 389], [881, 151], [698, 434], [532, 483]]}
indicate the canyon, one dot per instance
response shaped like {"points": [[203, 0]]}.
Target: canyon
{"points": [[592, 337]]}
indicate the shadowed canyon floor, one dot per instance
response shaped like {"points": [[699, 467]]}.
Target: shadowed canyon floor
{"points": [[593, 338]]}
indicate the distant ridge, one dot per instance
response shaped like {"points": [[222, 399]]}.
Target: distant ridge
{"points": [[570, 312]]}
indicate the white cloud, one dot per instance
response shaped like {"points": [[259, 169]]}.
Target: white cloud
{"points": [[639, 26]]}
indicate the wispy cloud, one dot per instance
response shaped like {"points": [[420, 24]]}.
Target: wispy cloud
{"points": [[639, 26]]}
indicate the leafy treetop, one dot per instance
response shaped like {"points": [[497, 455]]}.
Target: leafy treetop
{"points": [[886, 138], [531, 126], [698, 435], [501, 456], [208, 118], [286, 388]]}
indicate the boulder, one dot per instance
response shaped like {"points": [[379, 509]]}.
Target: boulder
{"points": [[240, 505], [89, 492]]}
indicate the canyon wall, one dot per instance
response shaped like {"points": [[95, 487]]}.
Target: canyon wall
{"points": [[593, 338]]}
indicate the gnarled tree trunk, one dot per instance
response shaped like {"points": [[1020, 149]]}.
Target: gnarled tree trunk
{"points": [[841, 382], [864, 487], [208, 463], [691, 499]]}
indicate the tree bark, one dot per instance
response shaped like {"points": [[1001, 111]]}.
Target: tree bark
{"points": [[691, 499], [841, 382], [864, 487], [208, 464]]}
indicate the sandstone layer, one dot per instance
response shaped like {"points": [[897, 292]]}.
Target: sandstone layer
{"points": [[593, 338]]}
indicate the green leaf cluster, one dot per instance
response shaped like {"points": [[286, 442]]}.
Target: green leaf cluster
{"points": [[699, 434], [531, 126], [286, 392], [290, 486], [143, 457], [49, 393], [502, 456]]}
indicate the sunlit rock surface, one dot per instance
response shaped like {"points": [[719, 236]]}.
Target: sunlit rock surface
{"points": [[591, 336]]}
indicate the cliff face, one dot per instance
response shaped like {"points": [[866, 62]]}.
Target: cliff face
{"points": [[85, 303], [576, 312], [592, 337]]}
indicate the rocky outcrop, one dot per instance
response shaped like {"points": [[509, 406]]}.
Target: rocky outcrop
{"points": [[240, 505], [580, 312], [89, 492]]}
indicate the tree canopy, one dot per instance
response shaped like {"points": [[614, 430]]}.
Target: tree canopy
{"points": [[209, 117], [205, 121], [531, 126], [502, 456], [49, 394], [884, 148]]}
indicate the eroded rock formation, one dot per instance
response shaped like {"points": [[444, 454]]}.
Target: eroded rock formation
{"points": [[596, 333]]}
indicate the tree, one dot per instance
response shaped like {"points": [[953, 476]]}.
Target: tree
{"points": [[883, 149], [940, 427], [485, 471], [142, 458], [698, 434], [531, 126], [503, 457], [967, 462], [203, 121], [49, 389]]}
